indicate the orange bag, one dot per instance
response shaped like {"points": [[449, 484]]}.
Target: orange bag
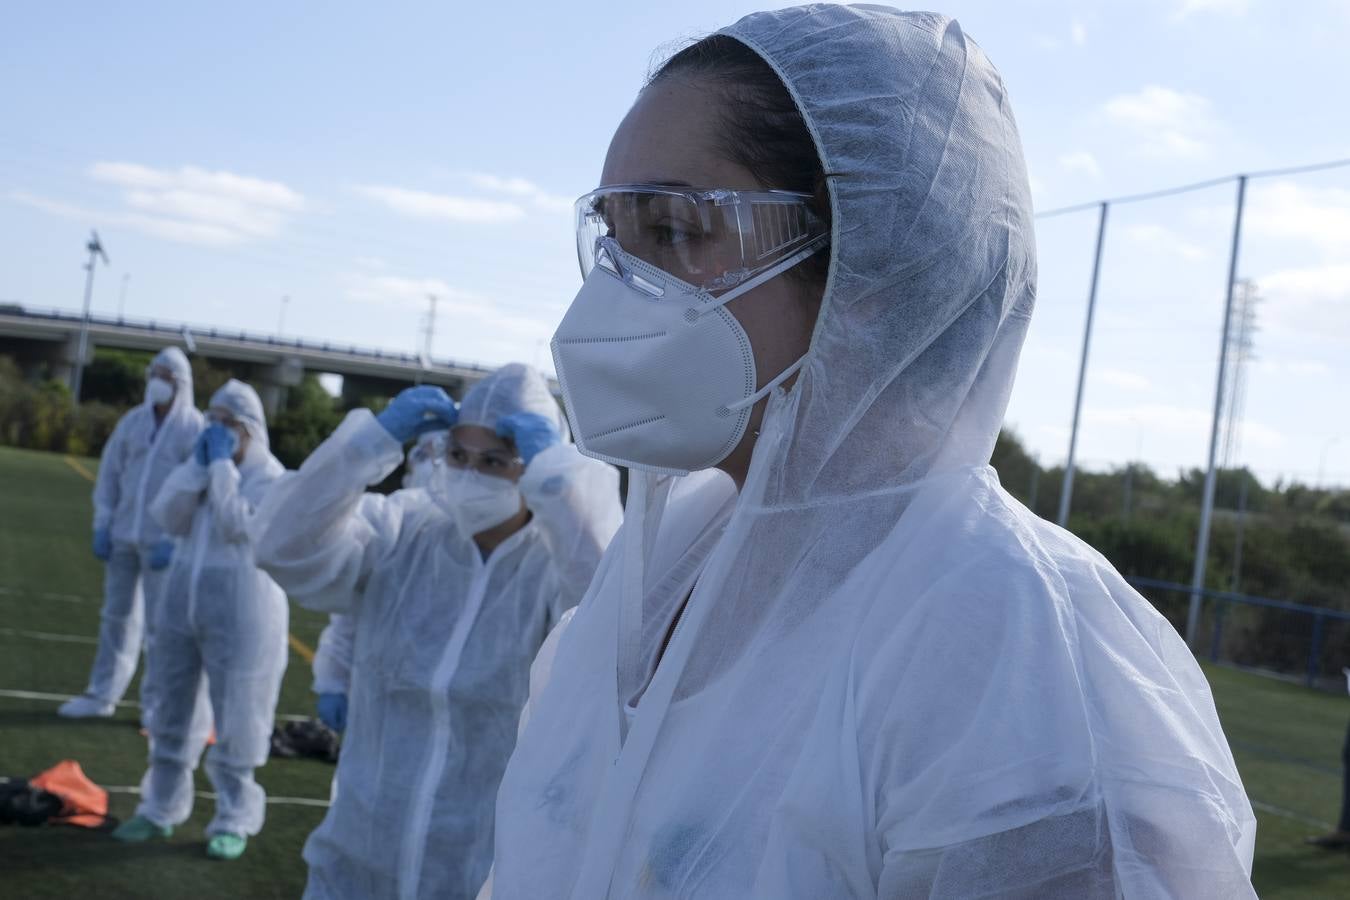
{"points": [[86, 804]]}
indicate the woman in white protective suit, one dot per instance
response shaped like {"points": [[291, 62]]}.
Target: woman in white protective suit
{"points": [[221, 631], [333, 656], [147, 444], [451, 590], [848, 664]]}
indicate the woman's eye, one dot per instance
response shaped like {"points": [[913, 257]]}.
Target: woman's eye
{"points": [[669, 234]]}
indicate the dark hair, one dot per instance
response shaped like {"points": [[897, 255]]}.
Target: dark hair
{"points": [[761, 126]]}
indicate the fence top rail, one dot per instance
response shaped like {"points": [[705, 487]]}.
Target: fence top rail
{"points": [[1194, 186], [1322, 611]]}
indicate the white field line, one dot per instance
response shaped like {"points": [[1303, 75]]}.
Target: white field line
{"points": [[48, 636], [207, 795], [47, 595], [129, 704], [1290, 814]]}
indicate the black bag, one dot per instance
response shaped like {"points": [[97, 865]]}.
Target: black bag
{"points": [[23, 804], [310, 738]]}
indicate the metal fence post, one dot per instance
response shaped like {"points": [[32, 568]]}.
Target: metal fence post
{"points": [[1207, 503], [1066, 492], [1315, 651], [1217, 641]]}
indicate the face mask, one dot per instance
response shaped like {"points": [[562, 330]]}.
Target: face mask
{"points": [[158, 392], [476, 502], [656, 374]]}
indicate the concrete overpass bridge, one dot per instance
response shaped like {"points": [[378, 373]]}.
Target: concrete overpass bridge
{"points": [[46, 341]]}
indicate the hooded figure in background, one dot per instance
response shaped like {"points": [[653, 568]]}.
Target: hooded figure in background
{"points": [[860, 669], [147, 444], [221, 631], [449, 590]]}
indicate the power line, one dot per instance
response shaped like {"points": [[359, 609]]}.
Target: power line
{"points": [[1195, 186]]}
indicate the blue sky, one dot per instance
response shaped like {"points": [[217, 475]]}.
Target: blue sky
{"points": [[356, 157]]}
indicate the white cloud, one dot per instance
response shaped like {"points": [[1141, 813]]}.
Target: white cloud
{"points": [[1160, 238], [1168, 124], [1078, 33], [451, 303], [1284, 210], [1186, 8], [1177, 422], [424, 204], [1119, 378], [1313, 301], [1081, 161], [523, 188], [189, 204]]}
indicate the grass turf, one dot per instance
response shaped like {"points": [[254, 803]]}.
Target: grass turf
{"points": [[50, 583], [1286, 739]]}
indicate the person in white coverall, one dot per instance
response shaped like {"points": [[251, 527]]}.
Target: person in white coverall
{"points": [[221, 631], [147, 444], [451, 590], [333, 656], [828, 656]]}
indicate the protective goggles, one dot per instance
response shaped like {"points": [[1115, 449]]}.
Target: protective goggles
{"points": [[711, 239], [162, 372], [486, 462], [428, 449]]}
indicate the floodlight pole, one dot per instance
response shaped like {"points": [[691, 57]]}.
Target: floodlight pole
{"points": [[1211, 476], [1066, 492], [95, 250]]}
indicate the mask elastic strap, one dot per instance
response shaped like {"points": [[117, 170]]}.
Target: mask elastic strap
{"points": [[768, 388], [771, 272]]}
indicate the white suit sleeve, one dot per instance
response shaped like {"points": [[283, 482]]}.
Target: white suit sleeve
{"points": [[232, 507], [178, 499], [107, 484], [317, 533], [333, 657], [575, 500]]}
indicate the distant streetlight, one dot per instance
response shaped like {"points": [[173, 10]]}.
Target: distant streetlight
{"points": [[281, 319], [95, 249], [122, 297]]}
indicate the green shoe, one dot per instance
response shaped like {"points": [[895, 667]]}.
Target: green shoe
{"points": [[226, 846], [138, 829]]}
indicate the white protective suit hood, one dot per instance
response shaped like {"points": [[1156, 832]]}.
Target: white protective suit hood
{"points": [[514, 388], [244, 404], [174, 360], [890, 678]]}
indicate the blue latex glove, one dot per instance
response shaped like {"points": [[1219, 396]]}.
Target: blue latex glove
{"points": [[199, 451], [220, 441], [333, 711], [103, 543], [161, 555], [418, 409], [530, 432]]}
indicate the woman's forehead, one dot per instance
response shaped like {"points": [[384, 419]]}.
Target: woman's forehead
{"points": [[478, 438], [672, 135]]}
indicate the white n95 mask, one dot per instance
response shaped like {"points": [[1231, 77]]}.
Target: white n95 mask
{"points": [[158, 392], [475, 501], [655, 373]]}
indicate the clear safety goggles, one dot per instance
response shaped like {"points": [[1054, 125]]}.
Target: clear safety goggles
{"points": [[162, 372], [428, 450], [712, 239], [499, 463]]}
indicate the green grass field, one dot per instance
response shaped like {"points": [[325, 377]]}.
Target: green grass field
{"points": [[1287, 739]]}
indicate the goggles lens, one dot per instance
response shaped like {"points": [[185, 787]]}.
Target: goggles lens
{"points": [[711, 239], [499, 463]]}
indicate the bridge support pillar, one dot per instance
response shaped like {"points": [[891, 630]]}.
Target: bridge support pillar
{"points": [[272, 382]]}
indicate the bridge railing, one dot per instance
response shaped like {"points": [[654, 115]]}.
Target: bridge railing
{"points": [[176, 329]]}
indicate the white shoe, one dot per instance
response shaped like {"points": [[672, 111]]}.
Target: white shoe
{"points": [[86, 707]]}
